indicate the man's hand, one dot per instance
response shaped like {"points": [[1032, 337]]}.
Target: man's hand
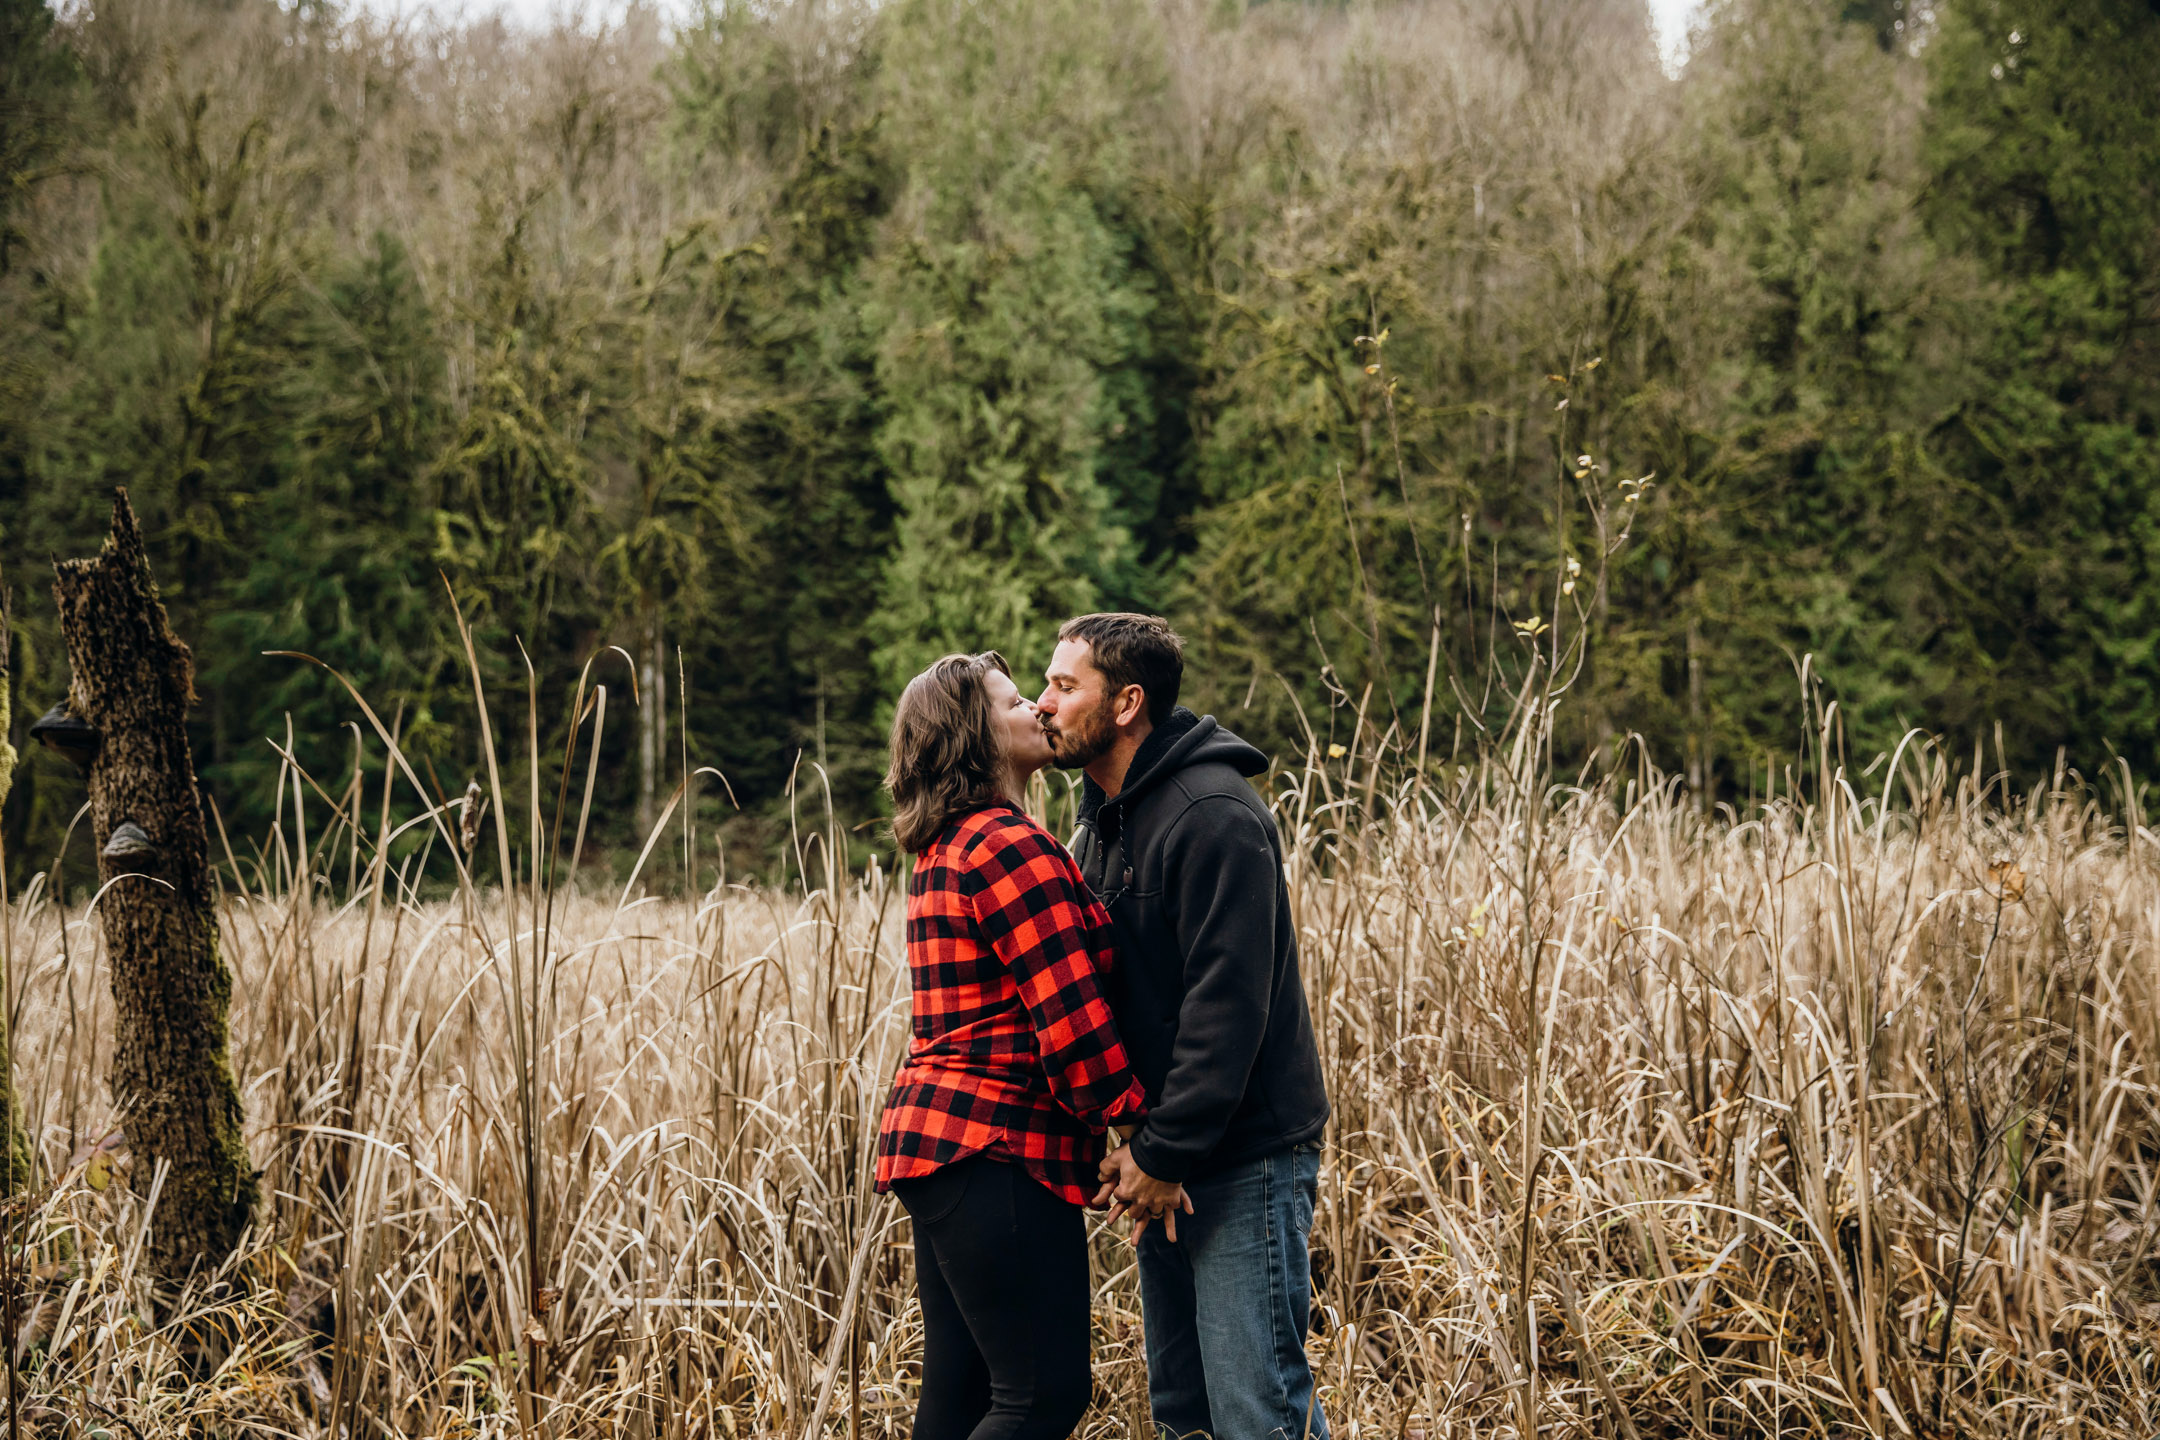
{"points": [[1130, 1191]]}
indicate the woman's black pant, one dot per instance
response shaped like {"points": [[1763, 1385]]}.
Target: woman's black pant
{"points": [[1002, 1266]]}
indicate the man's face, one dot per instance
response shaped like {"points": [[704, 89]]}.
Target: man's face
{"points": [[1077, 709]]}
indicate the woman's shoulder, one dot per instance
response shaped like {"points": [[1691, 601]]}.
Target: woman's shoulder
{"points": [[1003, 836]]}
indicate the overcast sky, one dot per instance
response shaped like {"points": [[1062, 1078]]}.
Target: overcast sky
{"points": [[1671, 19]]}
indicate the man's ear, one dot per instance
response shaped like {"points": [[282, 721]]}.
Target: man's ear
{"points": [[1131, 701]]}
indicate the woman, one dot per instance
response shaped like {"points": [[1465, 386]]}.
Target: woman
{"points": [[995, 1125]]}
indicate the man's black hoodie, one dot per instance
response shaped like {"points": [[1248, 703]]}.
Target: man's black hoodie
{"points": [[1206, 989]]}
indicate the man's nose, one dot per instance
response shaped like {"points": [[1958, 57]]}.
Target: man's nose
{"points": [[1047, 705]]}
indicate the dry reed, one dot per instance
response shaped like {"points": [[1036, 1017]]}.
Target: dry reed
{"points": [[1836, 1120]]}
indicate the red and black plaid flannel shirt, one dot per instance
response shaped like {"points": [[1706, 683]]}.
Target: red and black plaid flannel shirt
{"points": [[1013, 1043]]}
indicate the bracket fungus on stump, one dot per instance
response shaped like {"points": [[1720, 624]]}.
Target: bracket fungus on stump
{"points": [[126, 717]]}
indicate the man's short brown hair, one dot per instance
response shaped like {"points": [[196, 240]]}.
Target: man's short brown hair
{"points": [[1134, 650]]}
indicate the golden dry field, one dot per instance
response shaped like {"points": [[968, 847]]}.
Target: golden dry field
{"points": [[1833, 1118]]}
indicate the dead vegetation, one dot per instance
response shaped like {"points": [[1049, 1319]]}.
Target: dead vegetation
{"points": [[1835, 1118]]}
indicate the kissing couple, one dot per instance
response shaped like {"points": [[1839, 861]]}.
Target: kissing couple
{"points": [[1145, 982]]}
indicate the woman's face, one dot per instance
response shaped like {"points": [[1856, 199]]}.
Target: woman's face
{"points": [[1020, 729]]}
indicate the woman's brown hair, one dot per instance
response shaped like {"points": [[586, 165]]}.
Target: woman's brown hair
{"points": [[947, 758]]}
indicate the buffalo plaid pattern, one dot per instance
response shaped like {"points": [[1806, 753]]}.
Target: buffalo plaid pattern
{"points": [[1013, 1044]]}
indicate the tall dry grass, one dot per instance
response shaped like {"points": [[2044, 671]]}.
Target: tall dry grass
{"points": [[1835, 1118]]}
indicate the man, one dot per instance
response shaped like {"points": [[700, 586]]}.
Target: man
{"points": [[1207, 997]]}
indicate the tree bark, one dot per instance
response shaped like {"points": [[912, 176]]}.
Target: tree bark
{"points": [[172, 1075], [652, 727]]}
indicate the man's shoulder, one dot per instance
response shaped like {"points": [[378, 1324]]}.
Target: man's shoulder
{"points": [[1211, 793], [1210, 778]]}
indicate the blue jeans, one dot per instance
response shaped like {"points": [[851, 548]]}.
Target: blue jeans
{"points": [[1226, 1305]]}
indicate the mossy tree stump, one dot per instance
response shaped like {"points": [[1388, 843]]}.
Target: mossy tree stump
{"points": [[172, 1074]]}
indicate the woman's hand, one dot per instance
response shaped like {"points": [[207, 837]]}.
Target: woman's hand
{"points": [[1131, 1192]]}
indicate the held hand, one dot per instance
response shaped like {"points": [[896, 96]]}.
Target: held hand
{"points": [[1107, 1169], [1168, 1215], [1133, 1193]]}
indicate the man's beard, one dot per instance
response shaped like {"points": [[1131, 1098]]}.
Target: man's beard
{"points": [[1073, 749]]}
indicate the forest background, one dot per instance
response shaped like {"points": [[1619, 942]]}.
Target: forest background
{"points": [[788, 345]]}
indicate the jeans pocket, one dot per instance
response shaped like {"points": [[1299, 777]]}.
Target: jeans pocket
{"points": [[1305, 1190], [934, 1197]]}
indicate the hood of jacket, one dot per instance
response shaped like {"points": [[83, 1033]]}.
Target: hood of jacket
{"points": [[1183, 740]]}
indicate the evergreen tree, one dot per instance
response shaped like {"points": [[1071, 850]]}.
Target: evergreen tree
{"points": [[512, 489], [2044, 160], [1378, 449], [825, 336], [38, 95], [171, 372], [783, 99], [1011, 318], [43, 118], [1817, 519], [361, 387]]}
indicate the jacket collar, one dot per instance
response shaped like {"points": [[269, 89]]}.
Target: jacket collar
{"points": [[1160, 755]]}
